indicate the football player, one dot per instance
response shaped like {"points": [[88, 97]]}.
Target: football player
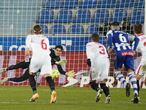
{"points": [[119, 42], [98, 61], [139, 46]]}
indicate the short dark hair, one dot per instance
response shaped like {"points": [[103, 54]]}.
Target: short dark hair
{"points": [[95, 37], [115, 24], [138, 28], [37, 29], [59, 46]]}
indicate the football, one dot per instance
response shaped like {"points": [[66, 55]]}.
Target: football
{"points": [[55, 74]]}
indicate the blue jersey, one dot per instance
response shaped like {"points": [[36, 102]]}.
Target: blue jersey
{"points": [[119, 41]]}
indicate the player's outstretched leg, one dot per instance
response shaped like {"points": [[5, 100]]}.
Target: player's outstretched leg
{"points": [[127, 89]]}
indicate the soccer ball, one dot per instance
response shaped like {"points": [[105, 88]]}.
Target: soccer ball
{"points": [[55, 74]]}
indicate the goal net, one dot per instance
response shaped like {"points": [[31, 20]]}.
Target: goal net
{"points": [[65, 22]]}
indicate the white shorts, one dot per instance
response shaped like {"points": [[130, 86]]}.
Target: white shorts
{"points": [[44, 65], [100, 70]]}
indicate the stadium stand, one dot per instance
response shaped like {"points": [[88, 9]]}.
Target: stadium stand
{"points": [[64, 16], [118, 15], [82, 16], [76, 29], [46, 16], [58, 29], [135, 19], [89, 12], [91, 29], [124, 3], [88, 4], [101, 16], [106, 3]]}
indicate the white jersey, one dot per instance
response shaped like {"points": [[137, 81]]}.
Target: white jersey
{"points": [[39, 45], [41, 60], [140, 46], [97, 53]]}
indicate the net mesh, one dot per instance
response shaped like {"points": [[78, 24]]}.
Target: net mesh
{"points": [[65, 22]]}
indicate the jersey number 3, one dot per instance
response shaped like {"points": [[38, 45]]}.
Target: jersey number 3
{"points": [[101, 50], [43, 44]]}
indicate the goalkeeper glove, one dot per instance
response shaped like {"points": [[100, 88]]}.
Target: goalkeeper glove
{"points": [[89, 62], [61, 62], [70, 73]]}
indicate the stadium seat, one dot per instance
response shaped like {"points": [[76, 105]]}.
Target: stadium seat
{"points": [[92, 29], [88, 4], [52, 4], [118, 15], [69, 4], [76, 29], [64, 16], [45, 16], [137, 16], [106, 3], [101, 16], [139, 4], [82, 16], [125, 3], [58, 29]]}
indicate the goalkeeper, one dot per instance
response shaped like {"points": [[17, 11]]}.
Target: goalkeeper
{"points": [[55, 60]]}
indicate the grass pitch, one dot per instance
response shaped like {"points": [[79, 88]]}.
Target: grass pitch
{"points": [[73, 98]]}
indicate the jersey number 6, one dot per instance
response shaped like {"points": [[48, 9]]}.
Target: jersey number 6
{"points": [[43, 44]]}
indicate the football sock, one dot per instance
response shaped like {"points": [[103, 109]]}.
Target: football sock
{"points": [[94, 85], [51, 83], [133, 81], [121, 78], [32, 83], [138, 86], [105, 89]]}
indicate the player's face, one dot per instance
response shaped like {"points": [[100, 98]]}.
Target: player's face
{"points": [[58, 51]]}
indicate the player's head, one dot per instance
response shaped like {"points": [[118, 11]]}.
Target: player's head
{"points": [[58, 50], [95, 37], [37, 29], [115, 26], [138, 29]]}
